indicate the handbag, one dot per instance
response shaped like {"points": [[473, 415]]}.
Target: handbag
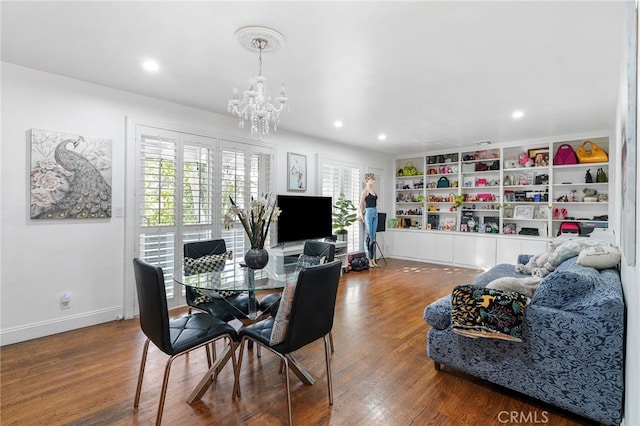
{"points": [[443, 182], [565, 155], [529, 231], [601, 176], [587, 177], [569, 228], [593, 155]]}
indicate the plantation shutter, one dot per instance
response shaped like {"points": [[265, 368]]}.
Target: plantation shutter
{"points": [[245, 173], [198, 171], [342, 178], [156, 201], [184, 182]]}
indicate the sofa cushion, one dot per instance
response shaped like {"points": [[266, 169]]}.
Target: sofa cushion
{"points": [[568, 282]]}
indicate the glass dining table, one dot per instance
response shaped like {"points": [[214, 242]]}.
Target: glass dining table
{"points": [[270, 279], [220, 284]]}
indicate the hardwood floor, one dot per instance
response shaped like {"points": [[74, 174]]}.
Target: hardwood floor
{"points": [[381, 372]]}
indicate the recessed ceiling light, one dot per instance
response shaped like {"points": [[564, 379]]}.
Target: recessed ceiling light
{"points": [[382, 136], [337, 123], [151, 65], [517, 114]]}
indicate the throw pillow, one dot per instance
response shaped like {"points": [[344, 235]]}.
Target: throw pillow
{"points": [[526, 286], [600, 257], [201, 297], [571, 248], [206, 263], [281, 321], [485, 312], [305, 260]]}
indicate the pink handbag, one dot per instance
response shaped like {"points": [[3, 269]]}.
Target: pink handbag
{"points": [[565, 155]]}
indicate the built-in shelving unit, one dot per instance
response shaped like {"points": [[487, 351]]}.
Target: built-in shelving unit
{"points": [[509, 190], [479, 207]]}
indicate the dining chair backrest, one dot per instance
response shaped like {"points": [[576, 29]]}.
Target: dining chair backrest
{"points": [[198, 249], [152, 300], [313, 305], [320, 249]]}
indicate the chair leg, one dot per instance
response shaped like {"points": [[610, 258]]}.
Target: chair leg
{"points": [[327, 356], [234, 362], [209, 355], [236, 384], [286, 373], [141, 373], [163, 392], [437, 366], [331, 341]]}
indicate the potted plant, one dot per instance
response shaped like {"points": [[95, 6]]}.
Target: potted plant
{"points": [[343, 216]]}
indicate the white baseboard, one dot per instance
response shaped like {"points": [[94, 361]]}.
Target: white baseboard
{"points": [[22, 333]]}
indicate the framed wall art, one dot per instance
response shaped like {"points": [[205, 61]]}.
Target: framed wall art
{"points": [[70, 176], [523, 212], [508, 213], [297, 172]]}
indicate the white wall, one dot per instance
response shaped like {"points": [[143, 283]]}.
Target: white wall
{"points": [[630, 274], [41, 259]]}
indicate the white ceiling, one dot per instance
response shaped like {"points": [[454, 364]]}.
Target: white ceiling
{"points": [[428, 74]]}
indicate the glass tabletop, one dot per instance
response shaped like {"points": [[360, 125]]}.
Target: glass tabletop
{"points": [[269, 278]]}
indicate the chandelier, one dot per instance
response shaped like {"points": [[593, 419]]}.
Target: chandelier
{"points": [[256, 105]]}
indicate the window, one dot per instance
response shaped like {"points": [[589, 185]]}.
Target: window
{"points": [[184, 182], [342, 178]]}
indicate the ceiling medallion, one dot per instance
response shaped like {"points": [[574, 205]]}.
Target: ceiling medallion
{"points": [[256, 105]]}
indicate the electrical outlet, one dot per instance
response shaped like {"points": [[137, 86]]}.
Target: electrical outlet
{"points": [[65, 301]]}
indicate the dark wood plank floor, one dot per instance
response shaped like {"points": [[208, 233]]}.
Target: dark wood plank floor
{"points": [[381, 372]]}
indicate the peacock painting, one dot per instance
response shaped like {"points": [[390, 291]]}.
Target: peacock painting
{"points": [[70, 176]]}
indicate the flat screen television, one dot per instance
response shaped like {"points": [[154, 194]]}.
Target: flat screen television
{"points": [[304, 218]]}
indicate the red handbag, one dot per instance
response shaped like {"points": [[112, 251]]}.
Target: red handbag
{"points": [[565, 155]]}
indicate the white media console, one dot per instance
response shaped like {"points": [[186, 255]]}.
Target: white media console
{"points": [[278, 255]]}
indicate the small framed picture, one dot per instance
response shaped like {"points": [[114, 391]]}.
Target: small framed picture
{"points": [[540, 156], [297, 172], [543, 212], [523, 212], [508, 213]]}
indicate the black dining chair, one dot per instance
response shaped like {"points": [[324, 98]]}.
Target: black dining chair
{"points": [[319, 249], [312, 301], [177, 336], [235, 305]]}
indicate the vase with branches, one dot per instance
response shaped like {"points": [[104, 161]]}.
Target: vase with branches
{"points": [[256, 222]]}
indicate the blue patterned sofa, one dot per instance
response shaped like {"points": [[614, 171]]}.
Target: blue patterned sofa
{"points": [[572, 352]]}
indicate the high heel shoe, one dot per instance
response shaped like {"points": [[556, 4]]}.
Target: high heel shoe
{"points": [[556, 214], [563, 213]]}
